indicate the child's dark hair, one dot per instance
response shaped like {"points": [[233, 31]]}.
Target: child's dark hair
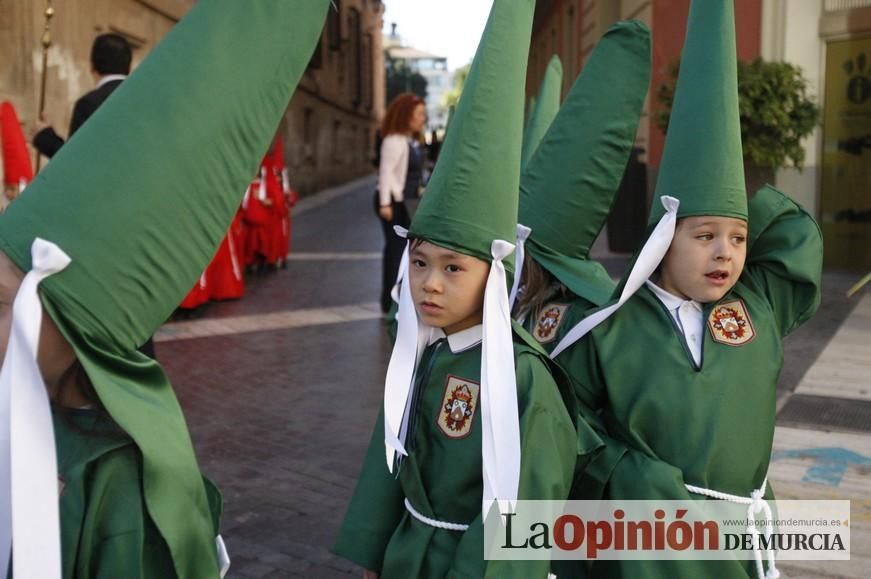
{"points": [[538, 287], [111, 54], [76, 377]]}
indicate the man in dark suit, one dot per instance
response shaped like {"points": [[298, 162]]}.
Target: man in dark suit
{"points": [[110, 64]]}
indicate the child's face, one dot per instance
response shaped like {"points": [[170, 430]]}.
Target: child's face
{"points": [[706, 257], [55, 354], [447, 287]]}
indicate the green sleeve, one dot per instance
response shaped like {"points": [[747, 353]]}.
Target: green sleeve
{"points": [[581, 363], [118, 538], [375, 509], [784, 257], [547, 460]]}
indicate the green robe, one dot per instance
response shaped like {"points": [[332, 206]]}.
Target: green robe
{"points": [[442, 475], [106, 531], [669, 422]]}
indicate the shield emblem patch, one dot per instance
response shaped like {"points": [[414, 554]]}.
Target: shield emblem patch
{"points": [[730, 323], [548, 322], [459, 404]]}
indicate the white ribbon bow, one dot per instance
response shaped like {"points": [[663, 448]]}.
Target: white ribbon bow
{"points": [[500, 420], [523, 233], [28, 462], [409, 345], [648, 260]]}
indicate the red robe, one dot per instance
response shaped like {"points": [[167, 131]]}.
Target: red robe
{"points": [[226, 274], [17, 170], [268, 223]]}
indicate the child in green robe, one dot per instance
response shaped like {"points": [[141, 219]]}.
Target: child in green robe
{"points": [[569, 185], [109, 238], [679, 372], [471, 413]]}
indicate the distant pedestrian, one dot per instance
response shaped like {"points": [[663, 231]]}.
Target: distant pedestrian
{"points": [[400, 175], [111, 56]]}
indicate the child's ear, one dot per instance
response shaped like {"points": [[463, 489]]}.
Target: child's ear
{"points": [[55, 355]]}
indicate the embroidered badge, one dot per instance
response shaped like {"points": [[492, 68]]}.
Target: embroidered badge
{"points": [[548, 322], [458, 407], [730, 324]]}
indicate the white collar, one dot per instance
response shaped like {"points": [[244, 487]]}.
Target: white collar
{"points": [[109, 78], [459, 341], [671, 301]]}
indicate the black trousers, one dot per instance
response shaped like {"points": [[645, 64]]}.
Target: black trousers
{"points": [[393, 248]]}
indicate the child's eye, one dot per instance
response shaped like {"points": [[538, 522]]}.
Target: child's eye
{"points": [[705, 236], [739, 239], [418, 263], [453, 268]]}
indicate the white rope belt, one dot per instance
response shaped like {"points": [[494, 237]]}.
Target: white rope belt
{"points": [[433, 522], [755, 504]]}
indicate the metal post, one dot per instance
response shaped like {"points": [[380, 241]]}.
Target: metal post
{"points": [[46, 44]]}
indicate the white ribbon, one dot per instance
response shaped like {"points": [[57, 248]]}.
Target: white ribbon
{"points": [[756, 504], [223, 556], [500, 421], [285, 181], [261, 191], [648, 260], [411, 337], [28, 461], [523, 233]]}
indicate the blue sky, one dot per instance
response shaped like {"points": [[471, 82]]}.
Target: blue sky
{"points": [[449, 28]]}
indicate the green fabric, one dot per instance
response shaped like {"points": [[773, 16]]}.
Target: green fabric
{"points": [[702, 162], [568, 187], [530, 108], [543, 111], [105, 527], [442, 476], [471, 198], [139, 200], [726, 408]]}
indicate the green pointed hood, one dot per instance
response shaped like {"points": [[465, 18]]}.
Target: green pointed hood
{"points": [[569, 185], [702, 163], [471, 198], [140, 200], [544, 110]]}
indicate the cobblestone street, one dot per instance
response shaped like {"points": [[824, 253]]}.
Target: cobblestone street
{"points": [[282, 387]]}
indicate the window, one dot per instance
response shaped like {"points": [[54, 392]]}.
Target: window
{"points": [[334, 25], [308, 135], [355, 59], [317, 58], [337, 148], [369, 70]]}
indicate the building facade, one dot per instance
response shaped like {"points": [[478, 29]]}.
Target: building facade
{"points": [[829, 39], [329, 125]]}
